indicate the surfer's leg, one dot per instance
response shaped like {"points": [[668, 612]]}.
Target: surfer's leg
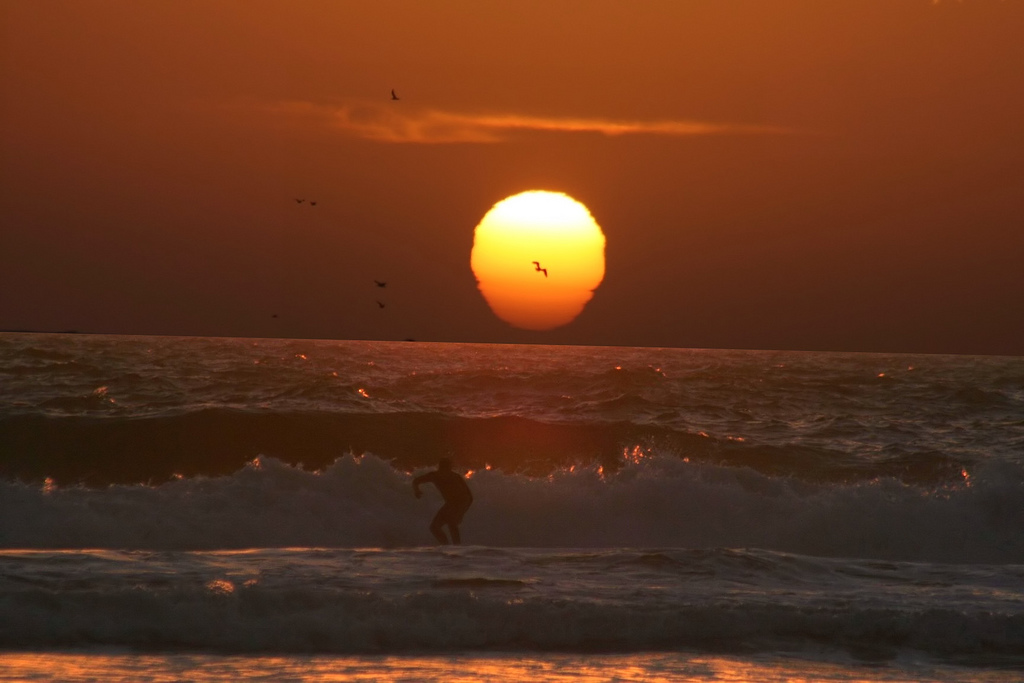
{"points": [[453, 519], [435, 528]]}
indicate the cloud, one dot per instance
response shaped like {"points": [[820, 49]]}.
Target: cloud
{"points": [[397, 122]]}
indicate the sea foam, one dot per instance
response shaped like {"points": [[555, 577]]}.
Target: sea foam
{"points": [[651, 501]]}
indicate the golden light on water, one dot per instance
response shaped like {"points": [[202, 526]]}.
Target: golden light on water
{"points": [[466, 668], [538, 256]]}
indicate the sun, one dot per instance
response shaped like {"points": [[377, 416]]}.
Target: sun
{"points": [[538, 256]]}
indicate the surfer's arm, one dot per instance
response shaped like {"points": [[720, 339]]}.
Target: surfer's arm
{"points": [[421, 480]]}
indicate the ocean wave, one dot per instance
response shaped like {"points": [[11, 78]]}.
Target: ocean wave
{"points": [[216, 441], [653, 501], [310, 621], [374, 601]]}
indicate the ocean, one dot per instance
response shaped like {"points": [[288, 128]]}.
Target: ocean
{"points": [[183, 508]]}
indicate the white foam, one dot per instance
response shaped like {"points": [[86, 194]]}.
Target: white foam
{"points": [[659, 501]]}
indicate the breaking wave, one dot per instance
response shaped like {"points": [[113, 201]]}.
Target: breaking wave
{"points": [[650, 501]]}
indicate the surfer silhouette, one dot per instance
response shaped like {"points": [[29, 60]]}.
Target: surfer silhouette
{"points": [[457, 499]]}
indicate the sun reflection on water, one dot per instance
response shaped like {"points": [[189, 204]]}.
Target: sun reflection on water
{"points": [[464, 668]]}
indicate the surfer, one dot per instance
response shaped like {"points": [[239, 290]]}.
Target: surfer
{"points": [[457, 499]]}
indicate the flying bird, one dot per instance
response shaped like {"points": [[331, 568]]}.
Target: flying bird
{"points": [[380, 304], [539, 269], [381, 284], [312, 203], [393, 95], [299, 201]]}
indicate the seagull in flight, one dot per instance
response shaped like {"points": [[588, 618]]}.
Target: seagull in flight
{"points": [[380, 284], [299, 201], [380, 304], [393, 95], [539, 269]]}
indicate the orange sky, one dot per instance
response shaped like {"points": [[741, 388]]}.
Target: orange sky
{"points": [[796, 174]]}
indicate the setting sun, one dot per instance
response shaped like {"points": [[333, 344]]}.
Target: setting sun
{"points": [[538, 256]]}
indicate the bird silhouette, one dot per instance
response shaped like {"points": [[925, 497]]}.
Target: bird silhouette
{"points": [[312, 203], [539, 269], [380, 304], [393, 95], [299, 201], [380, 284]]}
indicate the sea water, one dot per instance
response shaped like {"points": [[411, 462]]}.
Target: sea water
{"points": [[206, 509]]}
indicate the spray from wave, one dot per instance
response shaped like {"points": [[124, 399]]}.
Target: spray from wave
{"points": [[650, 501]]}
